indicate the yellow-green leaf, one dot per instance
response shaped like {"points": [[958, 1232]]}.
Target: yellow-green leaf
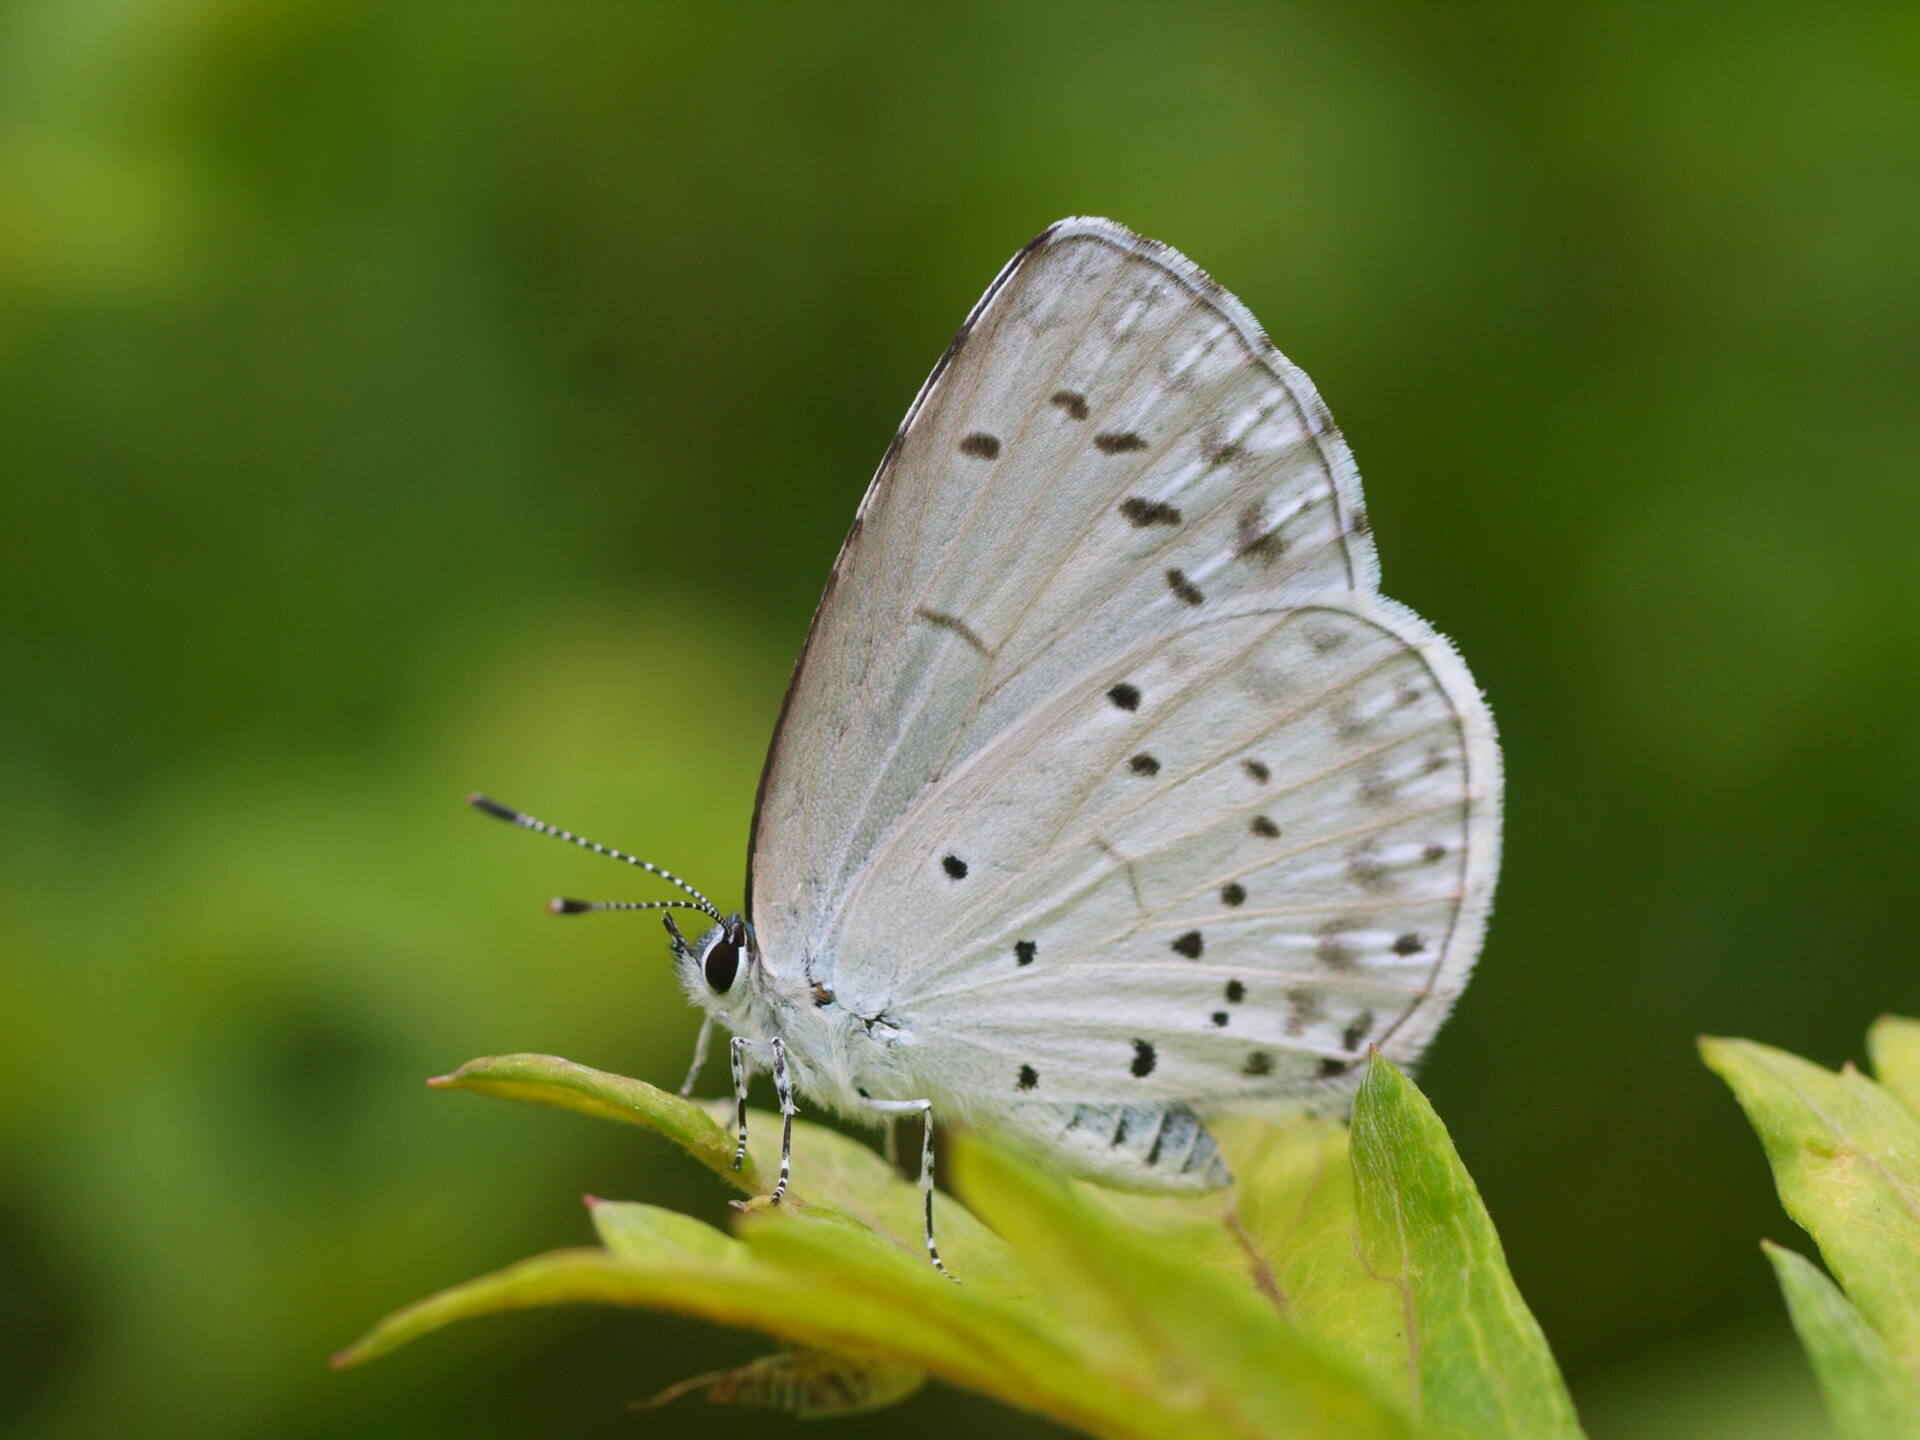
{"points": [[1846, 1159], [1478, 1365], [549, 1080], [1286, 1308], [1870, 1395], [1210, 1355], [1893, 1044], [645, 1233]]}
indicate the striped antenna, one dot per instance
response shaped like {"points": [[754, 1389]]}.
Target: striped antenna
{"points": [[561, 905], [569, 907]]}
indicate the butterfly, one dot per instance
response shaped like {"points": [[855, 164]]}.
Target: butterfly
{"points": [[1109, 794]]}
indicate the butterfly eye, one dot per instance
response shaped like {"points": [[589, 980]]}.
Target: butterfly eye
{"points": [[723, 963]]}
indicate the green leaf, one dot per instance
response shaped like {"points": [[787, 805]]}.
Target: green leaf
{"points": [[1289, 1228], [1479, 1365], [548, 1080], [1893, 1044], [1868, 1392], [1309, 1300], [1846, 1159], [643, 1233], [1211, 1356]]}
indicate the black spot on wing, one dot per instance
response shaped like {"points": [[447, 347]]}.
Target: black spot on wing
{"points": [[1257, 770], [1236, 992], [1149, 512], [1144, 764], [1220, 1018], [1189, 945], [1433, 854], [1118, 442], [1409, 944], [1144, 1059], [980, 445], [1331, 1067], [1255, 540], [1125, 696], [1264, 828], [1357, 1029], [1233, 893], [1184, 590], [1071, 401], [955, 867], [1258, 1063], [1024, 951], [1029, 1077]]}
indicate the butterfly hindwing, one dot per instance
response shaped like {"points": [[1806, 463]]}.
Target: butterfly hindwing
{"points": [[1280, 857]]}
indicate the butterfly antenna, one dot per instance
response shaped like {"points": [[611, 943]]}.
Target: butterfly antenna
{"points": [[561, 905], [489, 806]]}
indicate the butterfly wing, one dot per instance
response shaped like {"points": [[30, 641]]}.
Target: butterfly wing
{"points": [[1105, 619]]}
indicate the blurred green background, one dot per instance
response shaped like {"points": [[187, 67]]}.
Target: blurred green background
{"points": [[396, 400]]}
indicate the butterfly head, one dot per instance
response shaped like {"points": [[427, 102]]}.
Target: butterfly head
{"points": [[721, 967]]}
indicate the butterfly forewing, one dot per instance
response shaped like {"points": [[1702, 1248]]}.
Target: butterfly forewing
{"points": [[1102, 738]]}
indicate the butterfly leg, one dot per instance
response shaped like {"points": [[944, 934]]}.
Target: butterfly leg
{"points": [[783, 1087], [741, 1075], [925, 1108], [699, 1056]]}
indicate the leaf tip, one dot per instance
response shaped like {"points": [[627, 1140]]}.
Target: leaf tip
{"points": [[442, 1082], [592, 1202], [342, 1359]]}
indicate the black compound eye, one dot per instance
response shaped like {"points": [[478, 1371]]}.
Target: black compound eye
{"points": [[723, 963]]}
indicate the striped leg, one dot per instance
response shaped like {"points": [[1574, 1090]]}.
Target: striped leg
{"points": [[741, 1075], [784, 1089], [925, 1109]]}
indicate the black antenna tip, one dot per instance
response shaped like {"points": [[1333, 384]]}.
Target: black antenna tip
{"points": [[560, 905], [492, 807]]}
